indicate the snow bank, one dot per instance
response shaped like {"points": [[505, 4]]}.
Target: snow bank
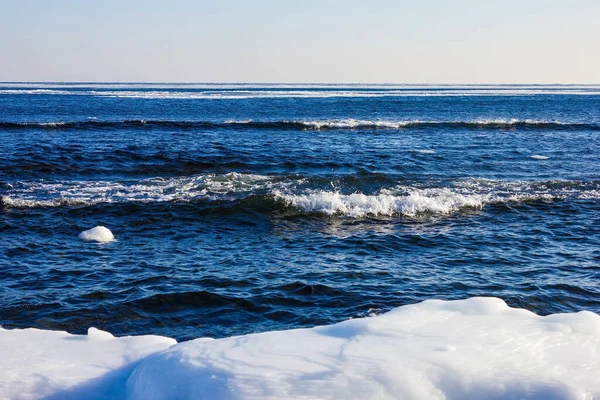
{"points": [[472, 349], [99, 234], [469, 349], [56, 365]]}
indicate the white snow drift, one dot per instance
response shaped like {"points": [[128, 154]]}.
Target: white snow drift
{"points": [[39, 364], [469, 349]]}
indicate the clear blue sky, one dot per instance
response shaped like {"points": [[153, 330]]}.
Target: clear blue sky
{"points": [[425, 41]]}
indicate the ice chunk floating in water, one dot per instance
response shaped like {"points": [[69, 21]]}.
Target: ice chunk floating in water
{"points": [[99, 234]]}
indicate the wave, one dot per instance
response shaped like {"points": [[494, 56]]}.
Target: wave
{"points": [[417, 202], [298, 195], [34, 91], [204, 187], [350, 124], [359, 205]]}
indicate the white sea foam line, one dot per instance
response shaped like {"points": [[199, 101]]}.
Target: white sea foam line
{"points": [[360, 205], [208, 186], [357, 123], [426, 151], [352, 123], [34, 91], [397, 200], [410, 201]]}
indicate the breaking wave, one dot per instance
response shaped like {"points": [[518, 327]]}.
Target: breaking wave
{"points": [[298, 195], [351, 124], [413, 202], [359, 205], [203, 187]]}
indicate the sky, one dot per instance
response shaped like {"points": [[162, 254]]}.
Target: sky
{"points": [[303, 41]]}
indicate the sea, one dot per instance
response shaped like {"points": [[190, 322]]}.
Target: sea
{"points": [[241, 208]]}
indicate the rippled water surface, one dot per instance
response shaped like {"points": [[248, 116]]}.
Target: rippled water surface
{"points": [[244, 208]]}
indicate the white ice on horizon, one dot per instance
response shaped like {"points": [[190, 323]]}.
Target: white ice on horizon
{"points": [[99, 234], [477, 348]]}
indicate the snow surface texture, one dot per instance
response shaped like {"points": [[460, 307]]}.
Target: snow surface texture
{"points": [[99, 234], [477, 348], [37, 364]]}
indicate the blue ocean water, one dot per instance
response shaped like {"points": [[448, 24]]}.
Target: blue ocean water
{"points": [[244, 208]]}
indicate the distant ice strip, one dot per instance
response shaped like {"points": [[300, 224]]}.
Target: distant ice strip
{"points": [[251, 94], [248, 91], [477, 348]]}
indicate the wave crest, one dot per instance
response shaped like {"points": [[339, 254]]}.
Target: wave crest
{"points": [[359, 205], [350, 124], [304, 195]]}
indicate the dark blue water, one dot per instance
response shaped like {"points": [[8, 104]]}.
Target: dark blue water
{"points": [[241, 208]]}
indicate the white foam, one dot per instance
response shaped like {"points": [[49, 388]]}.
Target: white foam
{"points": [[356, 123], [360, 205], [411, 201], [189, 188], [425, 151], [352, 123], [34, 91], [99, 234], [29, 202], [539, 157], [295, 191]]}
